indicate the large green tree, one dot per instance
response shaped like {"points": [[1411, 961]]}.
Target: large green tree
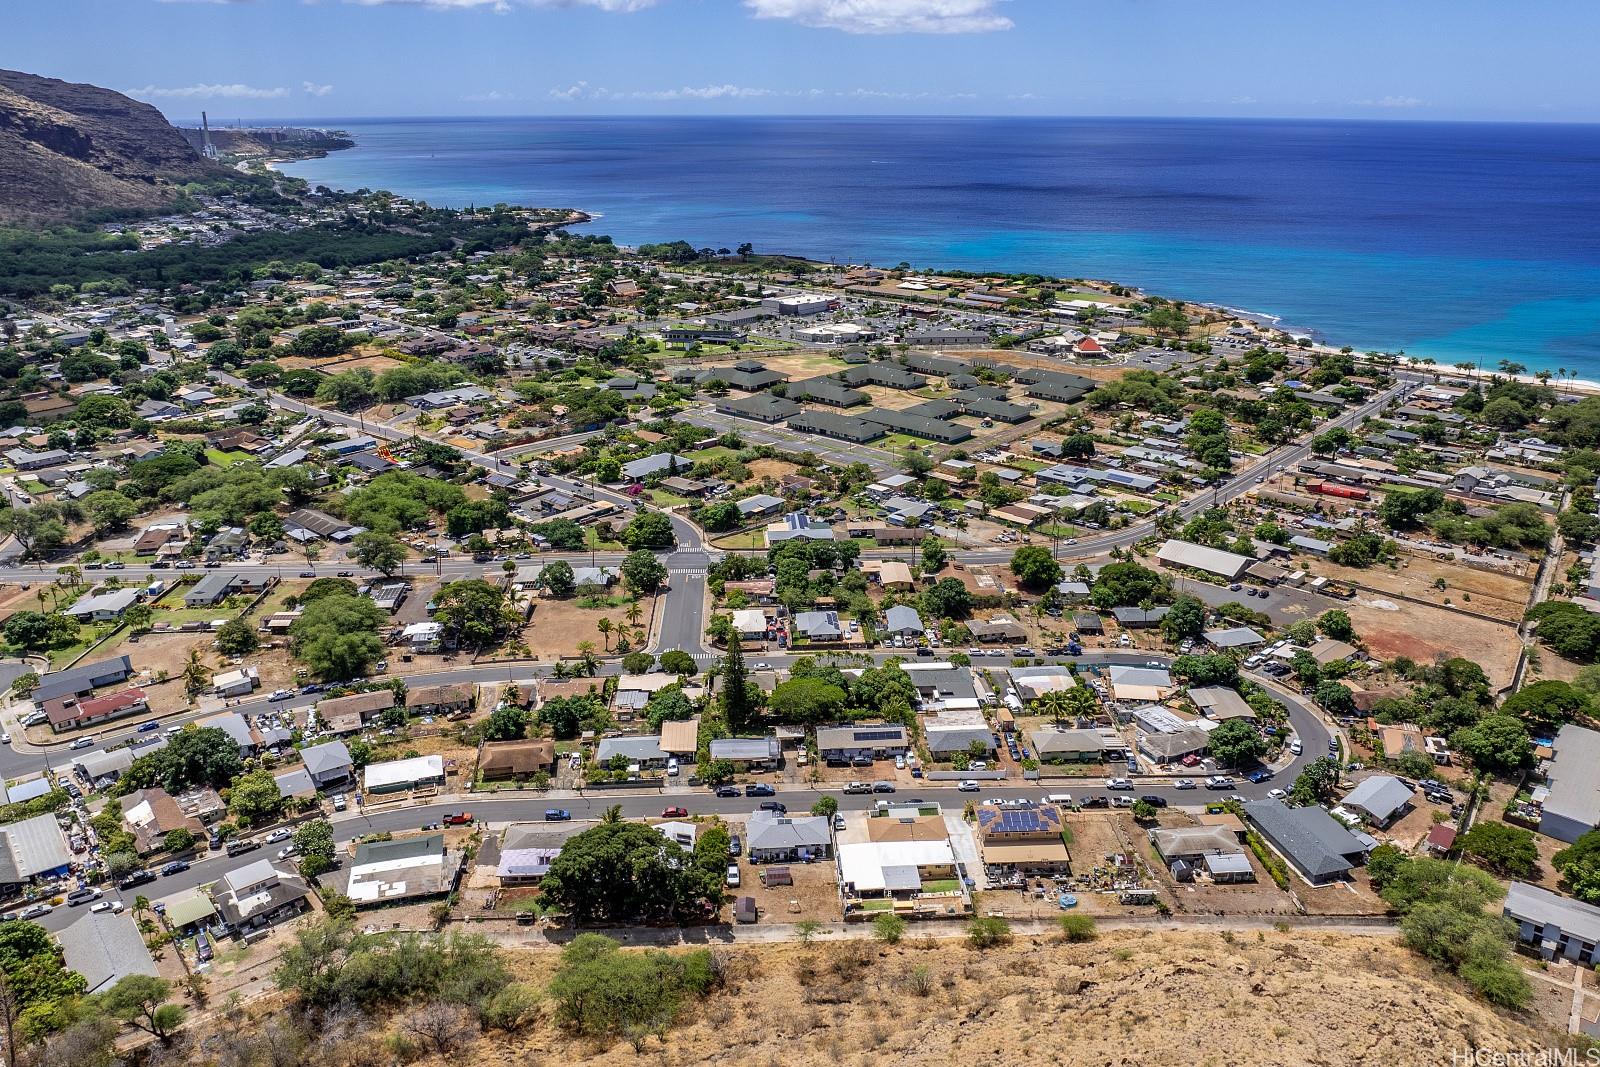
{"points": [[626, 872], [337, 636], [1236, 743]]}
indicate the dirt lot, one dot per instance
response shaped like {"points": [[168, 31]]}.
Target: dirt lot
{"points": [[1503, 596], [1428, 634], [558, 625]]}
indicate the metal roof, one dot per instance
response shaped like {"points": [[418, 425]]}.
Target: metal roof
{"points": [[1535, 904]]}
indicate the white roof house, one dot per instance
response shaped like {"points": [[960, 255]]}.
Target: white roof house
{"points": [[404, 773], [875, 866]]}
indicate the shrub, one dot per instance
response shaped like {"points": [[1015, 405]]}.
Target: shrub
{"points": [[889, 928], [988, 931], [1077, 927]]}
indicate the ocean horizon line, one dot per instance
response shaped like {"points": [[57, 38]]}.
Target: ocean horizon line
{"points": [[674, 116]]}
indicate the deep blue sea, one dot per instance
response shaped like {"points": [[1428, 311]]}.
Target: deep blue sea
{"points": [[1458, 241]]}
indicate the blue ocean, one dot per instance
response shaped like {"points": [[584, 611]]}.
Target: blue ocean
{"points": [[1463, 242]]}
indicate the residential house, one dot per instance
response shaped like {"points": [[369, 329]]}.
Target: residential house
{"points": [[382, 872], [217, 586], [451, 699], [874, 740], [347, 714], [150, 814], [81, 680], [772, 837], [71, 713], [328, 764], [903, 621], [1029, 839], [747, 752], [415, 773], [1317, 846], [1069, 746], [1380, 799], [642, 752], [516, 759], [260, 894]]}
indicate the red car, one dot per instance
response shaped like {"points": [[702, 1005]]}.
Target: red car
{"points": [[1191, 760], [460, 818], [674, 813]]}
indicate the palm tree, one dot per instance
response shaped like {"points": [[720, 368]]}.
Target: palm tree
{"points": [[1054, 703], [613, 814], [634, 612], [196, 675], [590, 662], [605, 627]]}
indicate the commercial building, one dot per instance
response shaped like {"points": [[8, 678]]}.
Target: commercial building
{"points": [[32, 849], [1571, 797], [1558, 927], [1229, 565], [840, 427]]}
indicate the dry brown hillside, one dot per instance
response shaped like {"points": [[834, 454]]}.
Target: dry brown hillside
{"points": [[66, 149], [1128, 998]]}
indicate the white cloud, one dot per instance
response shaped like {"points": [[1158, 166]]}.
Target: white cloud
{"points": [[704, 92], [313, 89], [576, 91], [493, 96], [1392, 102], [584, 91], [887, 16], [503, 6], [235, 91]]}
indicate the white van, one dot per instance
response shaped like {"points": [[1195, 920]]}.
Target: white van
{"points": [[1063, 799], [672, 767]]}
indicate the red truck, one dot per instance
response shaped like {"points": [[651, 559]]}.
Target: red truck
{"points": [[460, 818]]}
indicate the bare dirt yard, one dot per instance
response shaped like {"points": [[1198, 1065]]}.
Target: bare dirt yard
{"points": [[1503, 596], [559, 625], [1428, 634]]}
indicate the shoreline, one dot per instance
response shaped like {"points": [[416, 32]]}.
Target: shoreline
{"points": [[1268, 320]]}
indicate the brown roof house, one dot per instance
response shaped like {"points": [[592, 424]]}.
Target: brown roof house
{"points": [[440, 699], [516, 759], [345, 715], [150, 814]]}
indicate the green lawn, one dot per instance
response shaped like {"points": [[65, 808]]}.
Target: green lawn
{"points": [[225, 459], [941, 885], [665, 499], [748, 539], [592, 540], [714, 453]]}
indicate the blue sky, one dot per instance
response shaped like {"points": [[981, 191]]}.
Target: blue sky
{"points": [[326, 59]]}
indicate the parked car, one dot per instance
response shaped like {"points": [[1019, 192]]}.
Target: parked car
{"points": [[968, 786], [82, 742], [732, 878], [1119, 783], [883, 787], [674, 812], [239, 846], [735, 844], [282, 833], [1296, 747], [1259, 776], [115, 907], [1155, 800], [82, 896], [1183, 783], [339, 803], [136, 879], [727, 791], [281, 694], [1219, 781], [773, 805], [557, 815], [759, 789], [1277, 794], [35, 911], [1096, 802], [175, 867], [460, 818], [858, 787], [1120, 801]]}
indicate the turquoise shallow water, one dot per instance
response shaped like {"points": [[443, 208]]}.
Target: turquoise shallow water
{"points": [[1464, 242]]}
